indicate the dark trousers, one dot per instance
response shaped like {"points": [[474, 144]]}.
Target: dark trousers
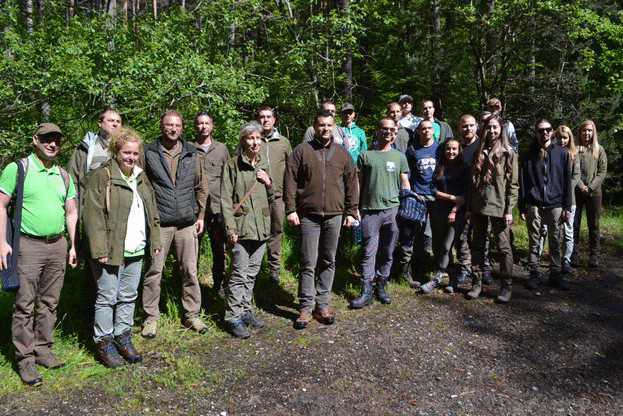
{"points": [[593, 209]]}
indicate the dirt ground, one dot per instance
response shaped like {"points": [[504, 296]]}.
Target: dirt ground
{"points": [[549, 353]]}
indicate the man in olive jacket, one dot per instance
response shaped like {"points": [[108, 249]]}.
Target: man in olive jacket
{"points": [[215, 156], [275, 150], [320, 187], [175, 171]]}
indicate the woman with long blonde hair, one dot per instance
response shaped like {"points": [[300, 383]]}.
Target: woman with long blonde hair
{"points": [[593, 164]]}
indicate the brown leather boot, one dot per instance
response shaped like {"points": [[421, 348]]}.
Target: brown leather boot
{"points": [[123, 344], [108, 353]]}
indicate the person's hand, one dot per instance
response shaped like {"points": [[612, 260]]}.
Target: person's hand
{"points": [[349, 221], [103, 260], [199, 226], [293, 219], [509, 219], [156, 252], [522, 216], [73, 258], [451, 218], [5, 252], [233, 239], [263, 177], [566, 216], [458, 200], [586, 191]]}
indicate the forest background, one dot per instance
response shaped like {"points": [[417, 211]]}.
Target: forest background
{"points": [[66, 61]]}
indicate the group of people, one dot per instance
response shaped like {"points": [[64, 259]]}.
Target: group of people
{"points": [[122, 202]]}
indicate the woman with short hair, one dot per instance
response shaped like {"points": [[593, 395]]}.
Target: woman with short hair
{"points": [[246, 192]]}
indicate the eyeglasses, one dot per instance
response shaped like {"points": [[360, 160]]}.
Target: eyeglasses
{"points": [[545, 130]]}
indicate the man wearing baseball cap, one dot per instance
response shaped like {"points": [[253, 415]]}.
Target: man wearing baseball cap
{"points": [[48, 205], [357, 142]]}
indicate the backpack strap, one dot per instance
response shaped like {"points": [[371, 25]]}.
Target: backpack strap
{"points": [[107, 190], [65, 177]]}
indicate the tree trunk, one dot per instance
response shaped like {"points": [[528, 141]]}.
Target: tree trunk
{"points": [[28, 22], [347, 68], [155, 8], [435, 59], [492, 57]]}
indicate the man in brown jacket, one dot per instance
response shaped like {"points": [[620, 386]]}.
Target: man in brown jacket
{"points": [[320, 187]]}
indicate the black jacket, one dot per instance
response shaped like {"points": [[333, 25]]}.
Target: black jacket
{"points": [[545, 183]]}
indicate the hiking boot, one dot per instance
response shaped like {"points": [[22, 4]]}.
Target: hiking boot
{"points": [[365, 298], [150, 329], [487, 277], [123, 344], [505, 293], [428, 287], [566, 267], [239, 330], [29, 374], [504, 296], [407, 276], [593, 261], [108, 353], [196, 324], [556, 280], [381, 283], [476, 287], [303, 319], [461, 279], [250, 320], [533, 280], [323, 316], [49, 360]]}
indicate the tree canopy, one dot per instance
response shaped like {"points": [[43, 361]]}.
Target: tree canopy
{"points": [[65, 61]]}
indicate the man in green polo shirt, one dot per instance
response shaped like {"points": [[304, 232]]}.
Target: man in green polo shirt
{"points": [[47, 207]]}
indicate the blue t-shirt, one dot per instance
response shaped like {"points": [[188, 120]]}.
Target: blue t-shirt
{"points": [[422, 162]]}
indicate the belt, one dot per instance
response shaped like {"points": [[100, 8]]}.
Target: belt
{"points": [[48, 239]]}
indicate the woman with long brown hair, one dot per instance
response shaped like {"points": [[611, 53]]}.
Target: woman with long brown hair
{"points": [[493, 194]]}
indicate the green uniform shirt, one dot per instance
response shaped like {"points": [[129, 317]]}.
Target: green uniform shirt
{"points": [[43, 207], [380, 174]]}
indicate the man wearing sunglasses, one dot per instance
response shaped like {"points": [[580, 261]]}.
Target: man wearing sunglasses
{"points": [[545, 195]]}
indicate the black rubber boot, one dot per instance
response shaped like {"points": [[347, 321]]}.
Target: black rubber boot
{"points": [[380, 291], [365, 299]]}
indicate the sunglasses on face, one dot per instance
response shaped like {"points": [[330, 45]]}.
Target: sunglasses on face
{"points": [[545, 130]]}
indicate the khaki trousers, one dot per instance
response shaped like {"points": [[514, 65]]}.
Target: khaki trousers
{"points": [[186, 246]]}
